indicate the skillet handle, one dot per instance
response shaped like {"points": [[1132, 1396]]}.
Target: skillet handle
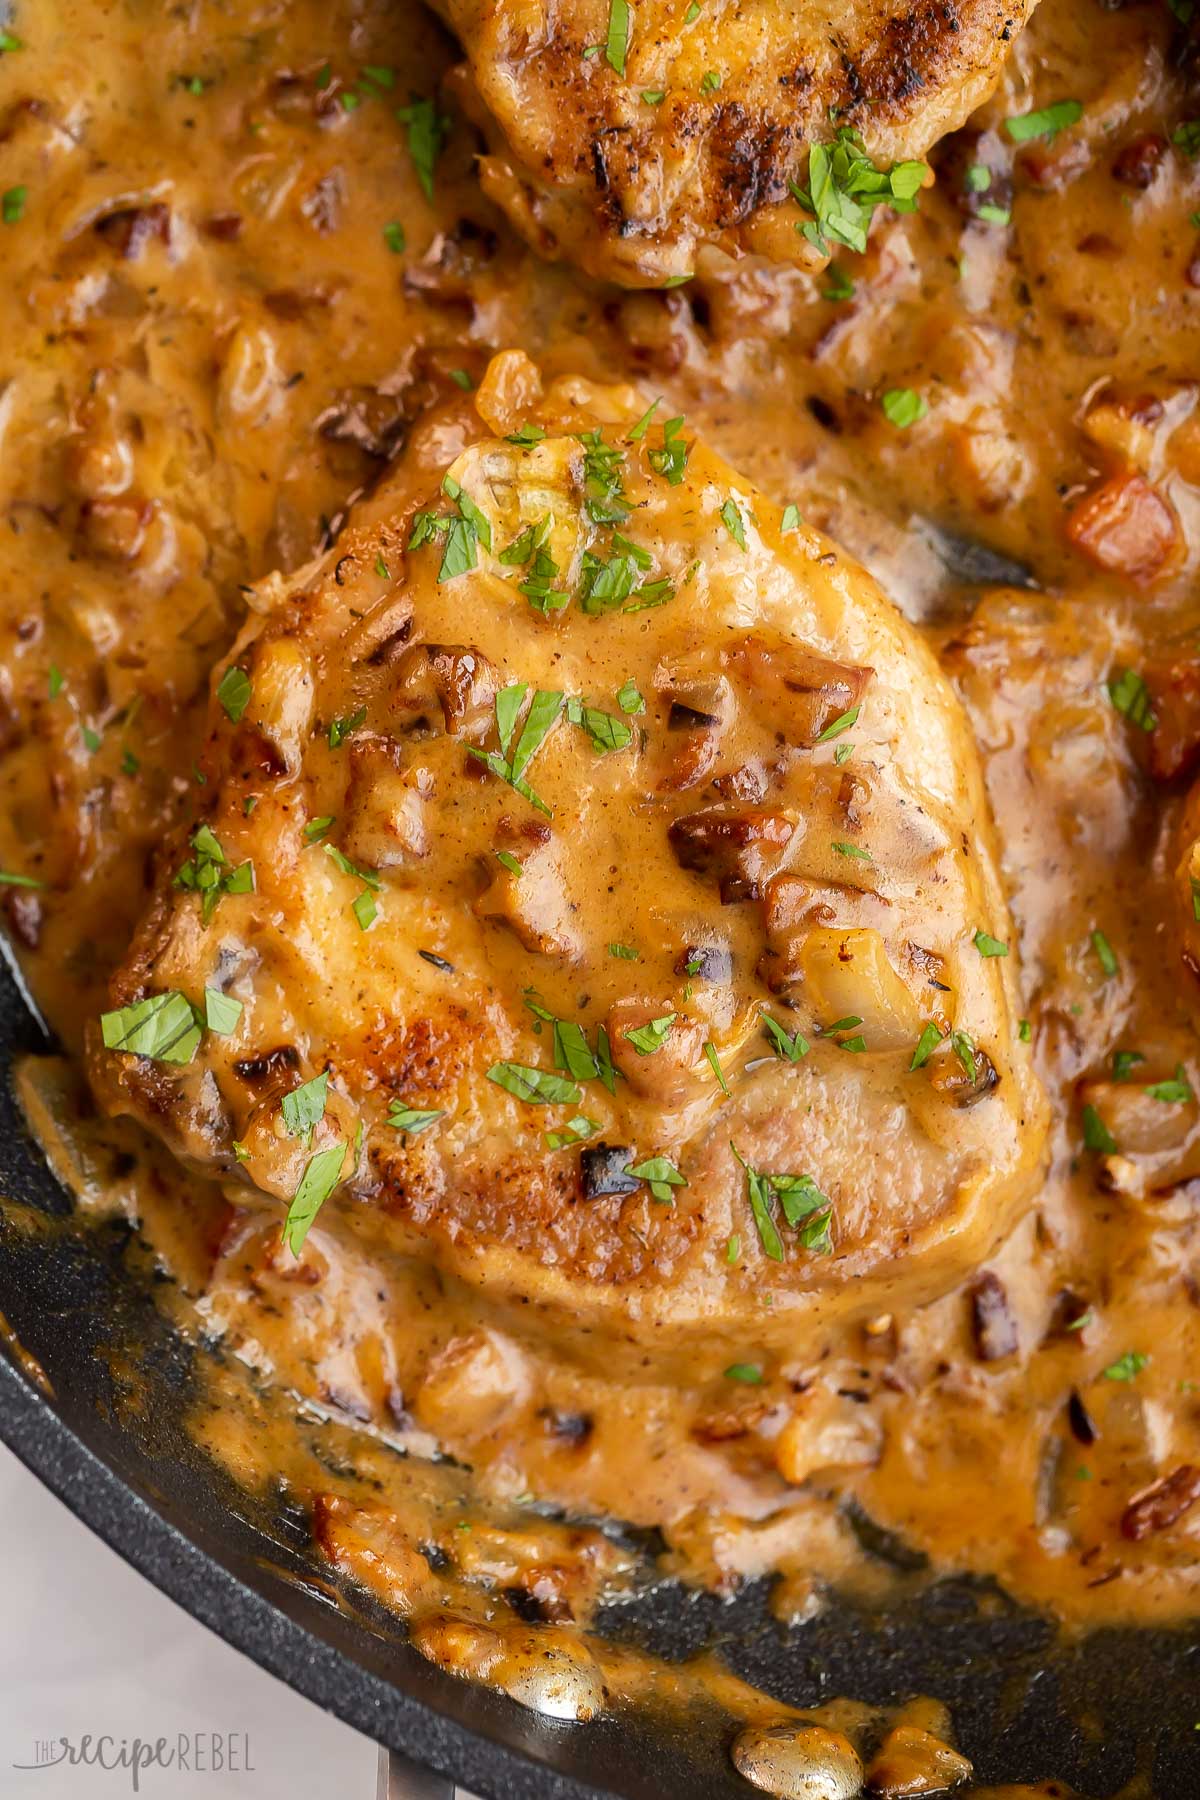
{"points": [[400, 1779]]}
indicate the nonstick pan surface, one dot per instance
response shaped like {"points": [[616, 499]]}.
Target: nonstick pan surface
{"points": [[1028, 1705]]}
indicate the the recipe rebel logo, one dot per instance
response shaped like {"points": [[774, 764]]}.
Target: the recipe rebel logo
{"points": [[187, 1753]]}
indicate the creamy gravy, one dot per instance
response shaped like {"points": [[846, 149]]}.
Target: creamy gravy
{"points": [[212, 341]]}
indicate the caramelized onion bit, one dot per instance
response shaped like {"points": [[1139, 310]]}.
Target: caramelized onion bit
{"points": [[458, 679]]}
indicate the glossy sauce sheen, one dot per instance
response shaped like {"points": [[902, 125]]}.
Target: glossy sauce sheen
{"points": [[209, 349]]}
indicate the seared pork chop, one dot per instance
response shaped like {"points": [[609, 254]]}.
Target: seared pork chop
{"points": [[592, 894], [625, 137]]}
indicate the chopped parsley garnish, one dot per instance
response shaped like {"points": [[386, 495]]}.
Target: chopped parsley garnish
{"points": [[1127, 1367], [56, 682], [427, 134], [341, 729], [527, 435], [647, 1039], [671, 458], [605, 731], [315, 830], [927, 1043], [750, 1373], [572, 1052], [629, 698], [8, 879], [394, 238], [575, 1131], [843, 722], [9, 41], [538, 1087], [1175, 1092], [791, 520], [844, 188], [838, 285], [714, 1063], [1096, 1135], [462, 379], [1047, 122], [164, 1027], [461, 535], [733, 1248], [991, 214], [978, 179], [1124, 1062], [638, 431], [207, 872], [660, 1175], [964, 1048], [710, 81], [734, 524], [623, 952], [1131, 697], [988, 945], [1105, 954], [304, 1108], [221, 1012], [91, 739], [607, 585], [789, 1048], [1024, 1030], [233, 691], [855, 850], [410, 1119], [605, 501], [654, 96], [538, 586], [843, 753], [523, 546], [543, 712], [620, 26], [801, 1202], [365, 909], [321, 1175], [508, 861], [12, 204], [902, 407], [1186, 137]]}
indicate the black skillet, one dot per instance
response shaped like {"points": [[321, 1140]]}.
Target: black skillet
{"points": [[1027, 1705]]}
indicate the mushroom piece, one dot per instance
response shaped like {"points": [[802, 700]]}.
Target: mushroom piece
{"points": [[701, 709], [738, 847], [659, 1060], [798, 1761], [528, 891], [459, 680], [384, 820], [799, 686]]}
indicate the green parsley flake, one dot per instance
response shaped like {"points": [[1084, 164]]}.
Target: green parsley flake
{"points": [[1175, 1092], [854, 850], [1127, 1367], [394, 237], [843, 722], [750, 1373], [629, 698], [844, 188], [710, 81], [1047, 122], [410, 1119], [537, 1087], [660, 1175], [207, 872], [8, 879], [648, 1039], [544, 710], [623, 952], [321, 1175], [838, 285], [734, 524], [233, 692], [927, 1043], [988, 945], [620, 27], [791, 520], [788, 1047], [12, 204], [427, 134], [304, 1108], [221, 1012], [365, 909], [902, 407], [164, 1028], [714, 1063], [671, 458], [1105, 954], [341, 729], [1131, 697], [1124, 1062], [1096, 1135]]}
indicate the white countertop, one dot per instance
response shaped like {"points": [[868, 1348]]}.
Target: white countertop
{"points": [[88, 1646]]}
